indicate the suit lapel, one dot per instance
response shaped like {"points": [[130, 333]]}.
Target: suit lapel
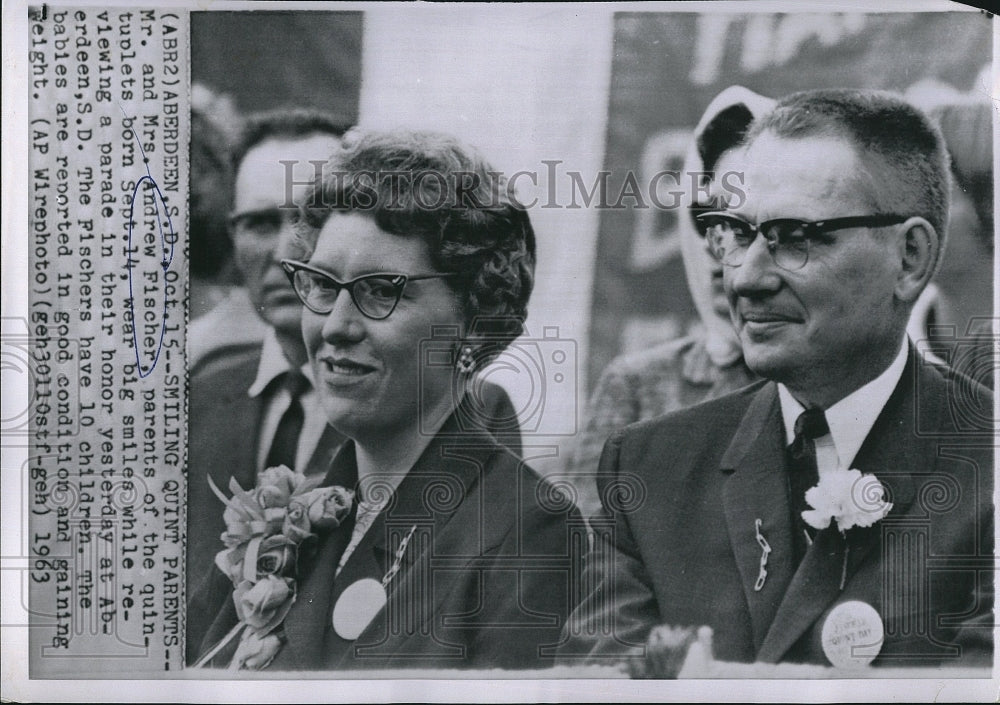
{"points": [[429, 498], [757, 490], [225, 619], [237, 419], [888, 451], [321, 461], [223, 426], [308, 619], [366, 562]]}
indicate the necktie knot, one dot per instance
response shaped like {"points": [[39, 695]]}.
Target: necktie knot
{"points": [[295, 383], [811, 424]]}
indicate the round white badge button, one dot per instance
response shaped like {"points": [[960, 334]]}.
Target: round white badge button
{"points": [[852, 634], [357, 606]]}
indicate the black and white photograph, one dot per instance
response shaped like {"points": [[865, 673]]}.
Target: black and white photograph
{"points": [[611, 351]]}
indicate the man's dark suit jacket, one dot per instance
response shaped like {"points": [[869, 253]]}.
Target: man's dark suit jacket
{"points": [[678, 546], [484, 583]]}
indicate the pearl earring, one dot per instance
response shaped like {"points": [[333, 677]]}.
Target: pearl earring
{"points": [[466, 362]]}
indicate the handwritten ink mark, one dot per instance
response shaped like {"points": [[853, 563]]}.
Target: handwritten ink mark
{"points": [[168, 257]]}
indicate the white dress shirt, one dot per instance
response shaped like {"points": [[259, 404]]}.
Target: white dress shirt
{"points": [[232, 321], [272, 364], [850, 419]]}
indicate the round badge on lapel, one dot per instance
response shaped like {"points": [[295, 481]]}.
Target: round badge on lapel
{"points": [[357, 606], [852, 634]]}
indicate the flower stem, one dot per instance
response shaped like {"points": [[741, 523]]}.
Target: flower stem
{"points": [[233, 633], [843, 571]]}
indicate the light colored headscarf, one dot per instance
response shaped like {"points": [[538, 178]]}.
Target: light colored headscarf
{"points": [[721, 342]]}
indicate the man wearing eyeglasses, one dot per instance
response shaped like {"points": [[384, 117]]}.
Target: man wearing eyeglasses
{"points": [[750, 520]]}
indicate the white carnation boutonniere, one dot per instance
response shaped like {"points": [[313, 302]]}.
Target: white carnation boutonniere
{"points": [[265, 529], [848, 497]]}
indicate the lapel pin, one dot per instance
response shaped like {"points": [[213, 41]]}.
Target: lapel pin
{"points": [[362, 600], [852, 634], [398, 560], [357, 606], [765, 551]]}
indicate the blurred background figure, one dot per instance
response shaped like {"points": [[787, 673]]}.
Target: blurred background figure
{"points": [[268, 60], [214, 127], [952, 322], [708, 362]]}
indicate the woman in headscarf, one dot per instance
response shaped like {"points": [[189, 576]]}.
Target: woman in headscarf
{"points": [[708, 362]]}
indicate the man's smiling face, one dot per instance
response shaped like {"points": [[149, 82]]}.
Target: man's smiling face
{"points": [[818, 324]]}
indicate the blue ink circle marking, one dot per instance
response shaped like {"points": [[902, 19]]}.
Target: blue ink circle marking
{"points": [[167, 243]]}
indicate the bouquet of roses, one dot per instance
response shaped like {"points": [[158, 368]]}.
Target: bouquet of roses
{"points": [[265, 530]]}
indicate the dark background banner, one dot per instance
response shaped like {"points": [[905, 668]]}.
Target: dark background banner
{"points": [[270, 59]]}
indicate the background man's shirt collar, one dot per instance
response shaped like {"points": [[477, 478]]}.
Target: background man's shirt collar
{"points": [[272, 364]]}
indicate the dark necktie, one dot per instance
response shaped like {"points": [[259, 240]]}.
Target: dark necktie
{"points": [[803, 472], [286, 436]]}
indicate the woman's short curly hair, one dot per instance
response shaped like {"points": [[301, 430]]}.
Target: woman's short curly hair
{"points": [[433, 186]]}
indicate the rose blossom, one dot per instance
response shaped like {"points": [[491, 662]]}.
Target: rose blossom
{"points": [[296, 525], [276, 556], [256, 652], [328, 506], [264, 604], [276, 486]]}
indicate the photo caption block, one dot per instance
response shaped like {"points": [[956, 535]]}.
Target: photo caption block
{"points": [[108, 174]]}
